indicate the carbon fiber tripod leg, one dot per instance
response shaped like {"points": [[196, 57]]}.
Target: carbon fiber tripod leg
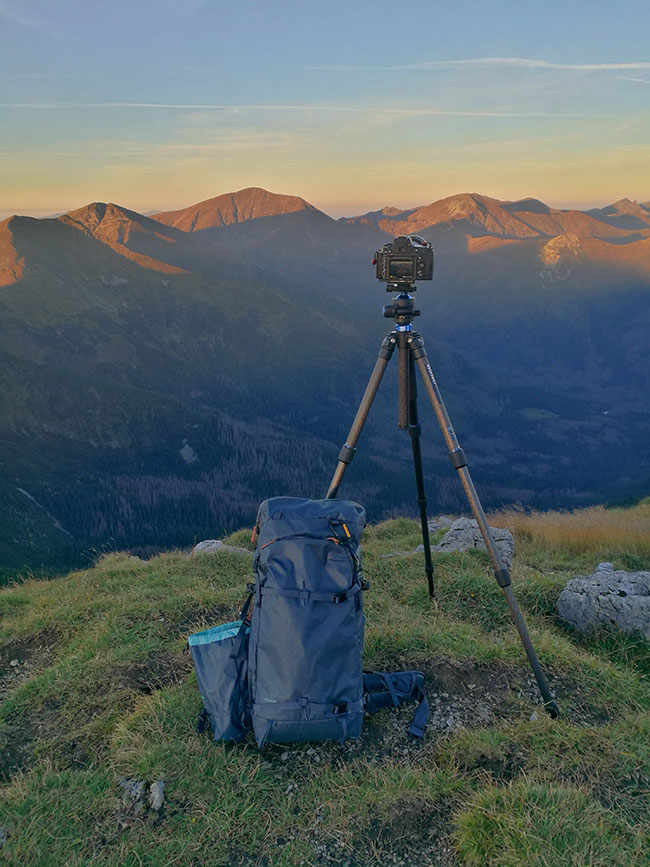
{"points": [[349, 448], [458, 461]]}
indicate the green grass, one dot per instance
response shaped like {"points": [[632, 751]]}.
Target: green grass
{"points": [[103, 690], [543, 826]]}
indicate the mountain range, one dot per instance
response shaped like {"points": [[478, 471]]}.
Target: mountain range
{"points": [[162, 374]]}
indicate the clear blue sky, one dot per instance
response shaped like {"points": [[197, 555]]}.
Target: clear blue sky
{"points": [[159, 103]]}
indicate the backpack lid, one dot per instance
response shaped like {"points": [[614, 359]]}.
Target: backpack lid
{"points": [[279, 517]]}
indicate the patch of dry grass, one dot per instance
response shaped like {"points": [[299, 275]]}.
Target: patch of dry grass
{"points": [[595, 529]]}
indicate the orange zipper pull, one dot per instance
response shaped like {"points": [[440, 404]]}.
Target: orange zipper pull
{"points": [[253, 534]]}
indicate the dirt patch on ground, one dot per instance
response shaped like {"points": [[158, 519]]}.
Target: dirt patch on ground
{"points": [[19, 660], [414, 832], [22, 658], [158, 671], [464, 694], [72, 739]]}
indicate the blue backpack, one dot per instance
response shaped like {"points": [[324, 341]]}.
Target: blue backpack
{"points": [[306, 644], [292, 669]]}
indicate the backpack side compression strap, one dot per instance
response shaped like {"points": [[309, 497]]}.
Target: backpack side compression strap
{"points": [[391, 689]]}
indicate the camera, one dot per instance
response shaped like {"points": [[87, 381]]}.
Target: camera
{"points": [[406, 259]]}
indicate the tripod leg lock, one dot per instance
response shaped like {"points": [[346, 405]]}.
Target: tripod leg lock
{"points": [[414, 430], [503, 578], [346, 454], [458, 459], [387, 347]]}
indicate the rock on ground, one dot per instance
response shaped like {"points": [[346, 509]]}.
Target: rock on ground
{"points": [[465, 534], [156, 794], [132, 798], [608, 597], [440, 522], [214, 546]]}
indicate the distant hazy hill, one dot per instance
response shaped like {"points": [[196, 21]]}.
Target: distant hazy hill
{"points": [[160, 376], [477, 216]]}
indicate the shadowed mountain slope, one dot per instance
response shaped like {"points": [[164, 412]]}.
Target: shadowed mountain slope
{"points": [[625, 214], [159, 381]]}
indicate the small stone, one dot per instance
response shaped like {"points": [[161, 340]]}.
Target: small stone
{"points": [[284, 757], [533, 716], [161, 620], [156, 794], [3, 837], [133, 795], [14, 662]]}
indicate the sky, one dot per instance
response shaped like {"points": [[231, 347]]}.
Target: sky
{"points": [[157, 104]]}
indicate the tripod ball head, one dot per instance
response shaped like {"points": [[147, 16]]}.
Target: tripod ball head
{"points": [[402, 310]]}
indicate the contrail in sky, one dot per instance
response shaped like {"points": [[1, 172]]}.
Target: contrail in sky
{"points": [[520, 62], [410, 112]]}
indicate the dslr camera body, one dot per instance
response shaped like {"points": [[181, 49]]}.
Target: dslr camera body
{"points": [[406, 259]]}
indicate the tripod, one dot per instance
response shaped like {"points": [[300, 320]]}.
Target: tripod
{"points": [[411, 352]]}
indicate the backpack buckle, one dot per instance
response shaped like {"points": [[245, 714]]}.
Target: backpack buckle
{"points": [[340, 531], [338, 709], [340, 597]]}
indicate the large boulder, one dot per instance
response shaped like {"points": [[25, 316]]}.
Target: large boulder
{"points": [[465, 534], [608, 597]]}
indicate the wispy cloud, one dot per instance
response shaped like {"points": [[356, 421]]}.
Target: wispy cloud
{"points": [[34, 76], [15, 14], [279, 142], [406, 112], [639, 80], [519, 62]]}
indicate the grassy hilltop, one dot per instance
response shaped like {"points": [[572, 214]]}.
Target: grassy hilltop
{"points": [[96, 687]]}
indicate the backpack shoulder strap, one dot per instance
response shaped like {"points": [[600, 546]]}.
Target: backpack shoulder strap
{"points": [[391, 689]]}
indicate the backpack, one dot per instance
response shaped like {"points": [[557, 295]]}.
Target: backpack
{"points": [[305, 649], [292, 666]]}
